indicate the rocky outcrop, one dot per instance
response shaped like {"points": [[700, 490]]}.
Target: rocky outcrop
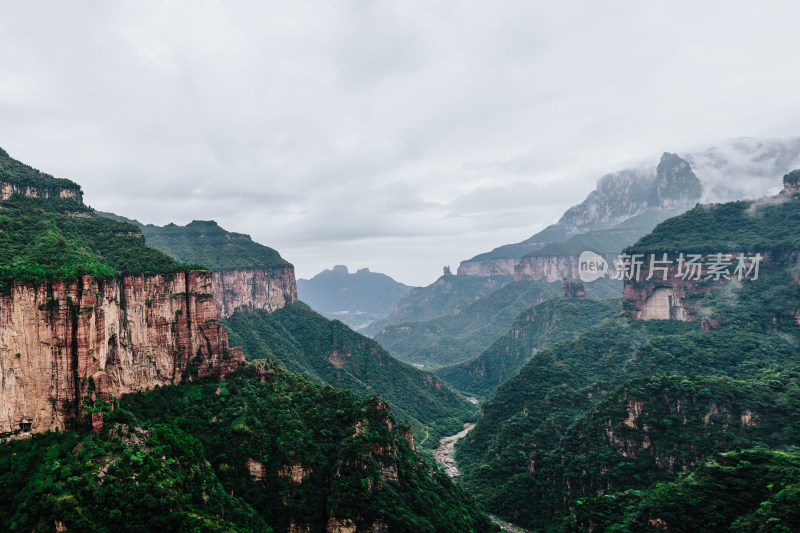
{"points": [[552, 267], [617, 196], [7, 190], [791, 183], [253, 289], [488, 267], [573, 289], [675, 185], [671, 295], [61, 341], [661, 303]]}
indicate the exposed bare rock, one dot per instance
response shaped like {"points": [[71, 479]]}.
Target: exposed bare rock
{"points": [[256, 469], [128, 334], [295, 472], [7, 190], [253, 289], [340, 526], [552, 267], [488, 267]]}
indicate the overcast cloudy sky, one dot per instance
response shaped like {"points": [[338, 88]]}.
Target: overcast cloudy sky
{"points": [[400, 136]]}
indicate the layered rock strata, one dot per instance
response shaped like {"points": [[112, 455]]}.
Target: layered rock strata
{"points": [[57, 340], [253, 289]]}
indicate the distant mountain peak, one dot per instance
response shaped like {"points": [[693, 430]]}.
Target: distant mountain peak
{"points": [[340, 269], [676, 184]]}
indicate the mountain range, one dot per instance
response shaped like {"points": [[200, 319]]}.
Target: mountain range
{"points": [[589, 427], [123, 405], [357, 299]]}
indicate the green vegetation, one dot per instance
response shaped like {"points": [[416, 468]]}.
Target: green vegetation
{"points": [[446, 296], [526, 422], [203, 242], [543, 325], [754, 490], [451, 339], [726, 228], [21, 175], [331, 353], [42, 240], [589, 427], [47, 239], [259, 452]]}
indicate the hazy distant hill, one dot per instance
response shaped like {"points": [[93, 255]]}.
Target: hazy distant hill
{"points": [[445, 296], [356, 299]]}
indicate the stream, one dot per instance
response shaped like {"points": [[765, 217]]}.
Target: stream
{"points": [[444, 456], [444, 453]]}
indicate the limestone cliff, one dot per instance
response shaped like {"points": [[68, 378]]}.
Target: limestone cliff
{"points": [[7, 190], [487, 267], [253, 289], [552, 267], [129, 332]]}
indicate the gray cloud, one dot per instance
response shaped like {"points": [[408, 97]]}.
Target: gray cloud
{"points": [[400, 136]]}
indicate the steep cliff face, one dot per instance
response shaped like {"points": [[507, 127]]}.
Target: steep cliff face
{"points": [[253, 290], [618, 195], [675, 185], [130, 333], [487, 267], [7, 190], [552, 268], [604, 217]]}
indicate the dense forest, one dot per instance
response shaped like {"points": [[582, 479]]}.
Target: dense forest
{"points": [[630, 404], [204, 242], [543, 325], [331, 353], [265, 450]]}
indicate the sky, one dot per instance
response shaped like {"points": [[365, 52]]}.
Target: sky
{"points": [[399, 136]]}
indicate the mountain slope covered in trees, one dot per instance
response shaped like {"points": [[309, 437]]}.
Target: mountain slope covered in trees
{"points": [[631, 403], [263, 451], [329, 352], [543, 325]]}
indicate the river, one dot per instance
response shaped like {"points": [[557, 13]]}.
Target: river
{"points": [[444, 453], [444, 456]]}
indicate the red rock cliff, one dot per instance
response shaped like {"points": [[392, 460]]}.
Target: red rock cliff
{"points": [[131, 333], [674, 298], [253, 289]]}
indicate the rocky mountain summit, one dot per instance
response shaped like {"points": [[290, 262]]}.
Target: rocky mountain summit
{"points": [[732, 170]]}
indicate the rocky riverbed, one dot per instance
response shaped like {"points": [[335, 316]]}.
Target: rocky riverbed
{"points": [[444, 456], [444, 453]]}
